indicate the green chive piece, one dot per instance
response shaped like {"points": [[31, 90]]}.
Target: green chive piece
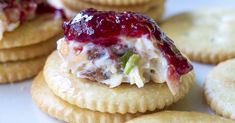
{"points": [[125, 57], [131, 63]]}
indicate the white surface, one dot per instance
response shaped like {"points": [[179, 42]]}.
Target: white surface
{"points": [[16, 104]]}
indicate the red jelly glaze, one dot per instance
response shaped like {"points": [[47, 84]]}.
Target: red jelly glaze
{"points": [[104, 28], [46, 8], [24, 8]]}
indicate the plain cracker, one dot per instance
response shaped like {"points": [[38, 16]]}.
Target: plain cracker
{"points": [[20, 70], [28, 52], [179, 117], [118, 2], [205, 35], [220, 89], [77, 5]]}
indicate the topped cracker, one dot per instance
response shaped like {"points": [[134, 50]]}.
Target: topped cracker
{"points": [[31, 32], [126, 51], [14, 13], [99, 97], [136, 52]]}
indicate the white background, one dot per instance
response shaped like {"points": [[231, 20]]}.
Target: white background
{"points": [[16, 104]]}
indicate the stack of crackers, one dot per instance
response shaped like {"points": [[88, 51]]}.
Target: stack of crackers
{"points": [[24, 50], [152, 8], [76, 100]]}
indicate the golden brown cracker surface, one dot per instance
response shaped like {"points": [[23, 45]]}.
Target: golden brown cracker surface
{"points": [[28, 52], [20, 70], [220, 88], [180, 117], [31, 32], [58, 108], [205, 35]]}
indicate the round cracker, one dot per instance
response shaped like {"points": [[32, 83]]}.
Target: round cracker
{"points": [[205, 35], [20, 70], [62, 110], [77, 5], [28, 52], [180, 117], [220, 88], [118, 2], [156, 12], [31, 32], [95, 96]]}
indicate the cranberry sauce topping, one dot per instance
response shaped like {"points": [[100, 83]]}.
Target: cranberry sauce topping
{"points": [[46, 8], [21, 10], [105, 28]]}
